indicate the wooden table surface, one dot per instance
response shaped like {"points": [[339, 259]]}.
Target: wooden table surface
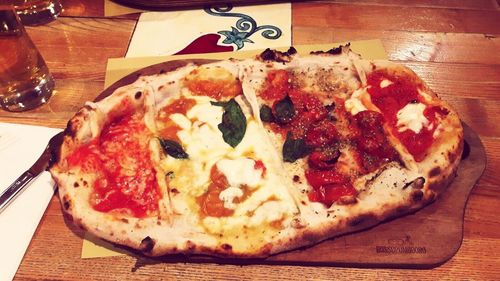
{"points": [[454, 45]]}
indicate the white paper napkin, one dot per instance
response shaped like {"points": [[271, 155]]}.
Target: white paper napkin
{"points": [[212, 30], [20, 147]]}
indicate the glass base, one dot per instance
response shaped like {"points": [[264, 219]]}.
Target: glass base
{"points": [[40, 15], [28, 99]]}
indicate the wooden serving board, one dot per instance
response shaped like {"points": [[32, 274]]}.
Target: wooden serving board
{"points": [[424, 239]]}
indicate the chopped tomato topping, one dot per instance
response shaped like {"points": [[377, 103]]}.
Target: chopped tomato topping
{"points": [[328, 194], [328, 186], [326, 129], [320, 178], [322, 133], [372, 142]]}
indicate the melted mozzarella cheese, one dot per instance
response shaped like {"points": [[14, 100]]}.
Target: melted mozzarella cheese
{"points": [[207, 113], [181, 120], [268, 212], [385, 83], [354, 104], [228, 195], [203, 141], [411, 117], [240, 171]]}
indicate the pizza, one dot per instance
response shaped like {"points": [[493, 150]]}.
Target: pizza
{"points": [[249, 158]]}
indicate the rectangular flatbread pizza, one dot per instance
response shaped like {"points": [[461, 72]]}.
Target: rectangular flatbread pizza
{"points": [[249, 158]]}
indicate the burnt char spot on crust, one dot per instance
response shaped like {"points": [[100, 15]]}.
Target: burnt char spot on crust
{"points": [[226, 247], [138, 95], [454, 154], [190, 245], [147, 244], [359, 219], [66, 205], [417, 183], [74, 123], [76, 184], [417, 195], [124, 220], [401, 210], [332, 51], [273, 55], [435, 172]]}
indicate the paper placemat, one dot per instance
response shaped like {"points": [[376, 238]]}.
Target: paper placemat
{"points": [[114, 9], [20, 147], [119, 67], [212, 29]]}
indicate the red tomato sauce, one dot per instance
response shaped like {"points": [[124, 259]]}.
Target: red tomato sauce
{"points": [[396, 96], [126, 178]]}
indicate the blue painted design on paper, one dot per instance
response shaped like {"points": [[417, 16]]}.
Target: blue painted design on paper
{"points": [[245, 27]]}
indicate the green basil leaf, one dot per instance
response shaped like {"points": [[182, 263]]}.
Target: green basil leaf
{"points": [[234, 123], [266, 114], [284, 110], [294, 149], [173, 149]]}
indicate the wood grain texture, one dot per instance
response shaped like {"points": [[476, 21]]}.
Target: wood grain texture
{"points": [[446, 4], [406, 18], [413, 45], [453, 45]]}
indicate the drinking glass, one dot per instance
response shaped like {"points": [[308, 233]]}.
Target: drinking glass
{"points": [[34, 12], [25, 80]]}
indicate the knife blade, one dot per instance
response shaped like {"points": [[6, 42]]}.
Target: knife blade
{"points": [[48, 156]]}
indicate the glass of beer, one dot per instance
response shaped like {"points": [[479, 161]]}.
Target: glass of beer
{"points": [[25, 81], [34, 12]]}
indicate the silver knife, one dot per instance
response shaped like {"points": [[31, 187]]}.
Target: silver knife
{"points": [[48, 157]]}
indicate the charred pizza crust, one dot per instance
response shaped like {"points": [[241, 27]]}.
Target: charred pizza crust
{"points": [[392, 190]]}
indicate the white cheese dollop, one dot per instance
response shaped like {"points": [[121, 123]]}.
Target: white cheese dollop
{"points": [[227, 196], [181, 120], [411, 117], [354, 104], [240, 171], [385, 83], [206, 113]]}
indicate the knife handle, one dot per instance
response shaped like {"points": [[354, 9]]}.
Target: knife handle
{"points": [[15, 189]]}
